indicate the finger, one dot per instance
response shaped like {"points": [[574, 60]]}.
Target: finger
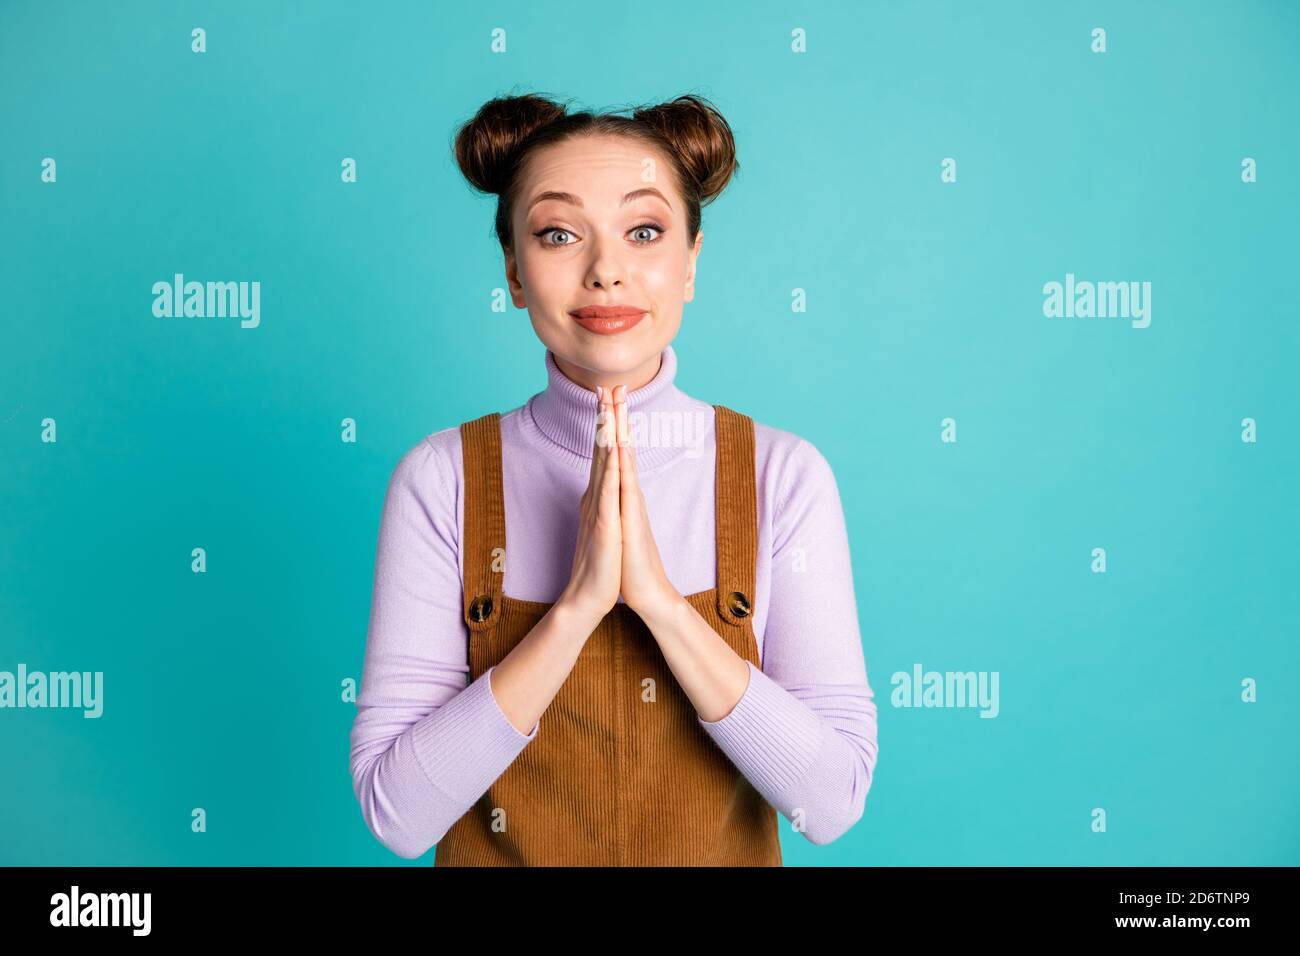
{"points": [[620, 404], [626, 464], [597, 451], [606, 432], [610, 479]]}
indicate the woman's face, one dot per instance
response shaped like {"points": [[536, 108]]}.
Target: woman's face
{"points": [[617, 237]]}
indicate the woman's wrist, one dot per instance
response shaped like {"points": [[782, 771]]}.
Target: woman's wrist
{"points": [[578, 614], [666, 612]]}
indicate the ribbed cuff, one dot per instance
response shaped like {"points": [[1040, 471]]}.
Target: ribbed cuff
{"points": [[468, 742], [523, 738], [771, 736]]}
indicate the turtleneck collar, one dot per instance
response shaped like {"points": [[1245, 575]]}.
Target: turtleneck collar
{"points": [[565, 412]]}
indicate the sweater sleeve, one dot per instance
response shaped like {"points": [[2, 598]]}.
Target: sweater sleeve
{"points": [[424, 746], [804, 731]]}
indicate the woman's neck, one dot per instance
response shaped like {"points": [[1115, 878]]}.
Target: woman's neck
{"points": [[665, 422]]}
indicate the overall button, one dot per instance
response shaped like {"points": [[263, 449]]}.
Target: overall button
{"points": [[738, 603], [480, 609]]}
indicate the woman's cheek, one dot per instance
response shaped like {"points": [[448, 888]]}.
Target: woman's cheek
{"points": [[663, 275]]}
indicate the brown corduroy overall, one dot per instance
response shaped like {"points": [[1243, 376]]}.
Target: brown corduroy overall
{"points": [[620, 772]]}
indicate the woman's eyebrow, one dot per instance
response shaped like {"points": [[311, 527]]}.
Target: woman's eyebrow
{"points": [[577, 201]]}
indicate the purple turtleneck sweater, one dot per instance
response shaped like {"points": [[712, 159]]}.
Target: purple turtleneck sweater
{"points": [[425, 745]]}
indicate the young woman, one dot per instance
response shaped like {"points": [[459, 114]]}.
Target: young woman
{"points": [[615, 626]]}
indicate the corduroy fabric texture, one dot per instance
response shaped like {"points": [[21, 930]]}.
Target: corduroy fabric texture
{"points": [[620, 772]]}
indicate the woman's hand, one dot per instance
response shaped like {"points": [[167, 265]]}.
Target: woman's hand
{"points": [[646, 588], [596, 576]]}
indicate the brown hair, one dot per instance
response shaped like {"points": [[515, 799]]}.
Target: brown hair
{"points": [[492, 148]]}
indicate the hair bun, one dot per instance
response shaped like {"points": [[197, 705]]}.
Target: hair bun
{"points": [[486, 144], [701, 137]]}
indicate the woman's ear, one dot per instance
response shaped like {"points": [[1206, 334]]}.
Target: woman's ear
{"points": [[688, 294], [512, 280]]}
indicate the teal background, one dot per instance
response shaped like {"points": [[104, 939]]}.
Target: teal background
{"points": [[222, 690]]}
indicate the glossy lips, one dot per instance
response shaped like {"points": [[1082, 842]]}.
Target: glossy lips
{"points": [[607, 319]]}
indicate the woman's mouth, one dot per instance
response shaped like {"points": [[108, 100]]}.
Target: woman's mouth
{"points": [[607, 319]]}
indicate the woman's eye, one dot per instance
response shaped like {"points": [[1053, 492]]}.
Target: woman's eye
{"points": [[643, 228], [546, 232], [645, 234]]}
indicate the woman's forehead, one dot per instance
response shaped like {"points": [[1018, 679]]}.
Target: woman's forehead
{"points": [[604, 171]]}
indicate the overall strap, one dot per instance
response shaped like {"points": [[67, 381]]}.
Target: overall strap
{"points": [[485, 521], [736, 514]]}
